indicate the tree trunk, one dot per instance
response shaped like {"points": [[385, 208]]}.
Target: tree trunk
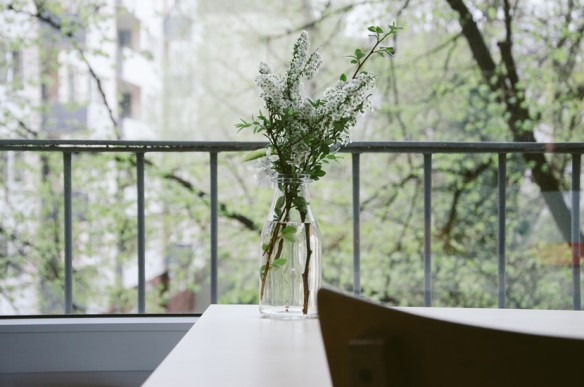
{"points": [[505, 84]]}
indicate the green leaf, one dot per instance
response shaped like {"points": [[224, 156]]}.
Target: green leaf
{"points": [[300, 203], [242, 125], [389, 50], [393, 28], [289, 234], [372, 28], [354, 61], [262, 268], [316, 103], [343, 78], [279, 262], [289, 237], [265, 248], [378, 30], [257, 154], [492, 13], [359, 54], [317, 173], [289, 230], [280, 202]]}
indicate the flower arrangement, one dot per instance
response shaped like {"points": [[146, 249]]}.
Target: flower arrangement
{"points": [[303, 134]]}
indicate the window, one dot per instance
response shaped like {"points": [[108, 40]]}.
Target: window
{"points": [[125, 38], [71, 82], [11, 68], [126, 105]]}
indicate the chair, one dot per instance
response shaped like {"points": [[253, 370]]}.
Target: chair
{"points": [[372, 345]]}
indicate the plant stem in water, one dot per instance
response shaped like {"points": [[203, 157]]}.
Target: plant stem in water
{"points": [[275, 233], [306, 269]]}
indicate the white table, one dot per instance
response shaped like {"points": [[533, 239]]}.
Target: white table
{"points": [[231, 345]]}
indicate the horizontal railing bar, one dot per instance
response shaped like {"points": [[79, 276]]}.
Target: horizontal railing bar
{"points": [[462, 147], [97, 146]]}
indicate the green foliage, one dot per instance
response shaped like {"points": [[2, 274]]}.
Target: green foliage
{"points": [[432, 91], [302, 131], [289, 234]]}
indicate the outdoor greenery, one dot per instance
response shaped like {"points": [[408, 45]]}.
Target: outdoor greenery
{"points": [[490, 70]]}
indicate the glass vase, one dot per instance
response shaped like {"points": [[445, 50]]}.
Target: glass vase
{"points": [[290, 249]]}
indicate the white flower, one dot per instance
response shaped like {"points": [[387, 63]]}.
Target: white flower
{"points": [[271, 88], [264, 68], [299, 56], [263, 171], [299, 127], [312, 65]]}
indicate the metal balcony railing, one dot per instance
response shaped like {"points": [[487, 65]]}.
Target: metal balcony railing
{"points": [[427, 149]]}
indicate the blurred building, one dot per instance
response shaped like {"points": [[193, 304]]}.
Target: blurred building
{"points": [[109, 79]]}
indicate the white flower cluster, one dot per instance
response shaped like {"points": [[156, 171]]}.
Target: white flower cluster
{"points": [[263, 172], [301, 126], [344, 100]]}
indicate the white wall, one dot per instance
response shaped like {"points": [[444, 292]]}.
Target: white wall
{"points": [[89, 351]]}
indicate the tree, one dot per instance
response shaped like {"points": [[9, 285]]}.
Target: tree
{"points": [[449, 80], [470, 98], [504, 81]]}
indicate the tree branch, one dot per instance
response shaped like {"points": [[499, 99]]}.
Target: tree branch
{"points": [[468, 176], [323, 17], [46, 17], [224, 209], [477, 45], [505, 47], [518, 116]]}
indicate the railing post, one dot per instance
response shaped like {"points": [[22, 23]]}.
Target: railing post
{"points": [[427, 229], [501, 233], [141, 234], [356, 225], [214, 258], [576, 243], [68, 224]]}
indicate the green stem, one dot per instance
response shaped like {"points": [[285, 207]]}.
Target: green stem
{"points": [[274, 238], [268, 261], [306, 269], [369, 54]]}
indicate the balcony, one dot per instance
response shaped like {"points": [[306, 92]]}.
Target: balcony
{"points": [[59, 331]]}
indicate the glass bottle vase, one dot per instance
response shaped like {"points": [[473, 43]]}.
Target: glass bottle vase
{"points": [[290, 250]]}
